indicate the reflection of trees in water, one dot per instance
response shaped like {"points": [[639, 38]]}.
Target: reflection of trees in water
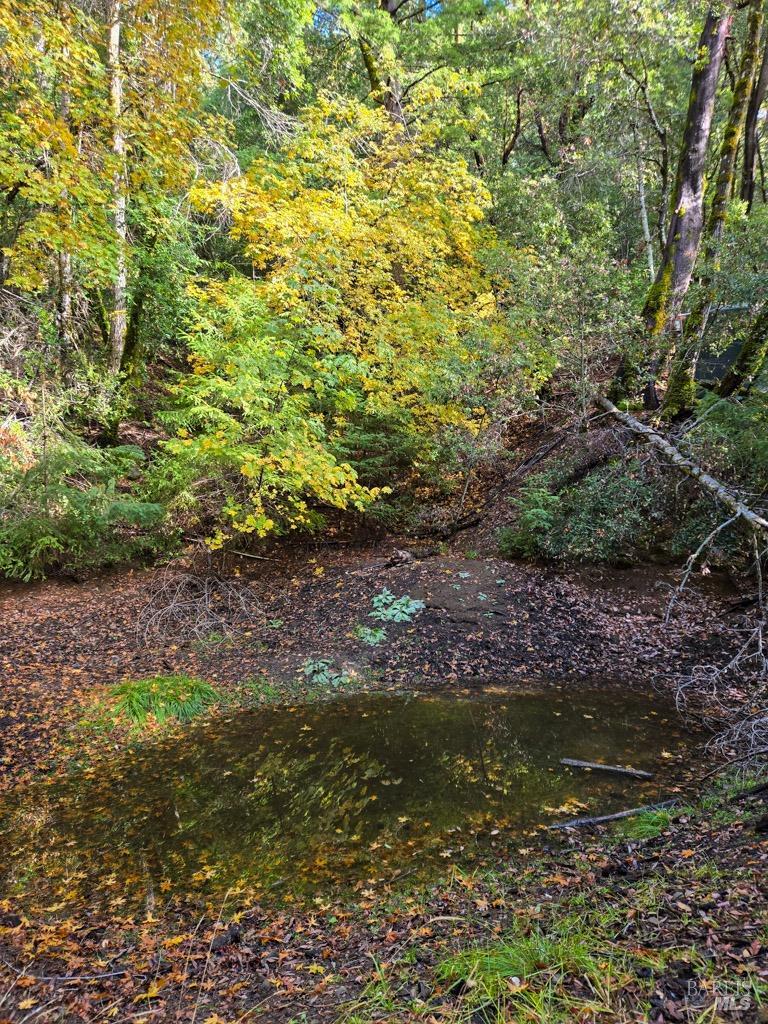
{"points": [[311, 795]]}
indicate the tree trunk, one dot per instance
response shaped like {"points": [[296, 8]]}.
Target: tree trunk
{"points": [[387, 92], [119, 319], [757, 96], [673, 277], [681, 390], [644, 216], [64, 323], [737, 116]]}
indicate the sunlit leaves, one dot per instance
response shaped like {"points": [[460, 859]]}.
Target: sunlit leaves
{"points": [[365, 297]]}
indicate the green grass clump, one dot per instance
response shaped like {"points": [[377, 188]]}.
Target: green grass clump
{"points": [[524, 956], [647, 825], [160, 699]]}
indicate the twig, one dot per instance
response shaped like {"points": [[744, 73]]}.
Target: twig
{"points": [[636, 773], [582, 822], [692, 561], [66, 977], [735, 760]]}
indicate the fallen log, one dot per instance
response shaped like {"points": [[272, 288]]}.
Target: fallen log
{"points": [[584, 822], [704, 479], [636, 773]]}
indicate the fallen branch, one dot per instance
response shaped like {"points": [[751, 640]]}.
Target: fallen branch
{"points": [[584, 822], [636, 773], [704, 479], [735, 760]]}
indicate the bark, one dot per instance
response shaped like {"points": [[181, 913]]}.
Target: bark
{"points": [[756, 99], [718, 490], [750, 359], [616, 769], [673, 277], [680, 397], [64, 320], [119, 317], [644, 217], [737, 116], [511, 142], [387, 92]]}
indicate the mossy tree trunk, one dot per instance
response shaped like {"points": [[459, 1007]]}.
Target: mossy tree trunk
{"points": [[385, 90], [756, 99], [673, 277], [680, 397]]}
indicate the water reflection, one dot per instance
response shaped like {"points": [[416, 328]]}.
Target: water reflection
{"points": [[307, 799]]}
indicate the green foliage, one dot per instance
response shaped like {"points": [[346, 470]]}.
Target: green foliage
{"points": [[67, 505], [140, 703], [388, 608], [537, 512], [608, 516], [647, 825], [321, 673], [372, 637], [524, 956]]}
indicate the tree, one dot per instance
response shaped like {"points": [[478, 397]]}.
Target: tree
{"points": [[681, 388], [673, 277]]}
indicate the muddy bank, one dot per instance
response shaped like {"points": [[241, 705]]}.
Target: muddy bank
{"points": [[484, 621]]}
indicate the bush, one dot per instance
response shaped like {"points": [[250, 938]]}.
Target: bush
{"points": [[537, 509], [606, 517], [64, 506], [388, 608]]}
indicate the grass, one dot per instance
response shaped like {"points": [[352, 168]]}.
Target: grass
{"points": [[647, 825], [158, 700]]}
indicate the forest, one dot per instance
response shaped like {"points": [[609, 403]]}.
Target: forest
{"points": [[383, 511]]}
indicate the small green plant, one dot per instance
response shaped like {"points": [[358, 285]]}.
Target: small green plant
{"points": [[647, 825], [159, 699], [388, 608], [371, 636], [321, 672], [536, 507]]}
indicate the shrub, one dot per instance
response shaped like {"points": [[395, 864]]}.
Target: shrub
{"points": [[66, 507], [536, 508], [606, 517]]}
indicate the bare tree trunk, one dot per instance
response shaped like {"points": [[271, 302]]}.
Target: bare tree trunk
{"points": [[757, 96], [644, 216], [673, 277], [681, 390], [64, 322], [119, 316]]}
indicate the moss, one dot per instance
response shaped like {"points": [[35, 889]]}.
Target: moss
{"points": [[681, 390], [656, 309]]}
